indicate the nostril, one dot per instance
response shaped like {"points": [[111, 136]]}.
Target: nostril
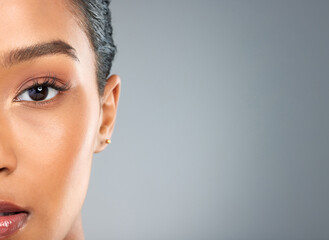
{"points": [[3, 169], [7, 165]]}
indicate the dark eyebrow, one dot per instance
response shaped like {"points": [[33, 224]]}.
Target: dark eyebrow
{"points": [[41, 49]]}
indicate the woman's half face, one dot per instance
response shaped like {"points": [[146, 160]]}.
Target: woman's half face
{"points": [[47, 135]]}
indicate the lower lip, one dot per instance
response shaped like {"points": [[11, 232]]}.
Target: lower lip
{"points": [[11, 224]]}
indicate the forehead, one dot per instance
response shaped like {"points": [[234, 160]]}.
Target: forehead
{"points": [[28, 22]]}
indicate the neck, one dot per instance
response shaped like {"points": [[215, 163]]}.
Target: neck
{"points": [[76, 232]]}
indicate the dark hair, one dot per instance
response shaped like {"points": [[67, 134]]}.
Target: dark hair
{"points": [[94, 16]]}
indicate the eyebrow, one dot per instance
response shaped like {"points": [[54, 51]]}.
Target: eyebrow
{"points": [[18, 55]]}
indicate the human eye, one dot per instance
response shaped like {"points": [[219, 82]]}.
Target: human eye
{"points": [[42, 92]]}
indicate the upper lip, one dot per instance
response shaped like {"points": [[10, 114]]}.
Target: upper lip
{"points": [[8, 207]]}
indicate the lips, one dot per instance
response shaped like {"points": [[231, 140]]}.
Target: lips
{"points": [[12, 218]]}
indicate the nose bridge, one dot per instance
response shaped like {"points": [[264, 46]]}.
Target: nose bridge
{"points": [[8, 162]]}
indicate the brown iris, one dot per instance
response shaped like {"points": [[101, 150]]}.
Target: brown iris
{"points": [[38, 93]]}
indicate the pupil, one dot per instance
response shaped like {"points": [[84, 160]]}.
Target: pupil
{"points": [[38, 94]]}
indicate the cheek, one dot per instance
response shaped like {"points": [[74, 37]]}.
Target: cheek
{"points": [[54, 154]]}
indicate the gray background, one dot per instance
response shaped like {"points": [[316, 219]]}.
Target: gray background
{"points": [[222, 129]]}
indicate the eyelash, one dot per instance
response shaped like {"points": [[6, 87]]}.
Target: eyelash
{"points": [[49, 82]]}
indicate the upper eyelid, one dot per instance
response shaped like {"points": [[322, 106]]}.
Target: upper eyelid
{"points": [[46, 82]]}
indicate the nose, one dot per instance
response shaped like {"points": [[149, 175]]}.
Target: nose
{"points": [[8, 162]]}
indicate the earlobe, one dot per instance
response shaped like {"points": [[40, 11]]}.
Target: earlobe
{"points": [[109, 105]]}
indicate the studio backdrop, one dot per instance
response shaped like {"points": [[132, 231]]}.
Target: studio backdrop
{"points": [[222, 128]]}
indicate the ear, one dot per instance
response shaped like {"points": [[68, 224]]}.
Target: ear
{"points": [[108, 110]]}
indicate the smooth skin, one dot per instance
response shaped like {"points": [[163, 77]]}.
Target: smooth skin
{"points": [[46, 149]]}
